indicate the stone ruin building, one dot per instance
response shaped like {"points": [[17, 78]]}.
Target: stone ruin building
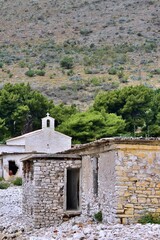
{"points": [[44, 140], [119, 177]]}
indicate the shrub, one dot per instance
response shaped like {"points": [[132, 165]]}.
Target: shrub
{"points": [[40, 72], [91, 71], [52, 75], [120, 74], [112, 71], [95, 81], [150, 218], [1, 64], [22, 64], [17, 181], [30, 73], [67, 62], [70, 72], [98, 216], [10, 75], [4, 185], [85, 32], [150, 46]]}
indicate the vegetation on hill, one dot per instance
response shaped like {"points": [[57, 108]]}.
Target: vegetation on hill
{"points": [[69, 72], [71, 50], [130, 111]]}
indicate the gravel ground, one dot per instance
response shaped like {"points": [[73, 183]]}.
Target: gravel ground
{"points": [[13, 225]]}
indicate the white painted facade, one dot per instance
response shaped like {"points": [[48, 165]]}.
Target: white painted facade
{"points": [[44, 140]]}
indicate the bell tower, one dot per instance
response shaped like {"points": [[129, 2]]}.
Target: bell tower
{"points": [[48, 122]]}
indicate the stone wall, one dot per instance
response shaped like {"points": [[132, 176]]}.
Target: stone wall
{"points": [[138, 181], [89, 198], [107, 185], [101, 197], [121, 180], [47, 190], [28, 189]]}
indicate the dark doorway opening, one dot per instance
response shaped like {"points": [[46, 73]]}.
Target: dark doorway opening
{"points": [[48, 123], [73, 189], [12, 168]]}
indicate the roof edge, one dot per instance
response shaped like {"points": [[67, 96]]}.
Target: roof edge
{"points": [[51, 156]]}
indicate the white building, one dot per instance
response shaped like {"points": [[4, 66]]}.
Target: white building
{"points": [[44, 140]]}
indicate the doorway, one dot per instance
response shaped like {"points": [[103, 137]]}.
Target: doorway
{"points": [[12, 168], [73, 189]]}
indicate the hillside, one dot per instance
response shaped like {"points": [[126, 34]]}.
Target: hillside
{"points": [[112, 44]]}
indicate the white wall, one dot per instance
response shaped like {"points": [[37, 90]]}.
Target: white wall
{"points": [[48, 141], [16, 158], [11, 149], [0, 167]]}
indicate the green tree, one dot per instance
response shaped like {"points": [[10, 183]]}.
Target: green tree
{"points": [[20, 106], [91, 125], [132, 103], [3, 130], [62, 112]]}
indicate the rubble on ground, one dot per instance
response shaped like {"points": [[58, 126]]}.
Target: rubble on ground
{"points": [[13, 225]]}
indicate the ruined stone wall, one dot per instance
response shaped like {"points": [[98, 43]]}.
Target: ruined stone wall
{"points": [[104, 197], [138, 181], [106, 180], [89, 199], [28, 189], [48, 189]]}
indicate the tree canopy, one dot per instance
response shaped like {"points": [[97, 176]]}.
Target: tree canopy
{"points": [[130, 111], [139, 106], [22, 108], [91, 125]]}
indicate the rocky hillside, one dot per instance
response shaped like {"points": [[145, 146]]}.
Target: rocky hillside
{"points": [[98, 34], [92, 21]]}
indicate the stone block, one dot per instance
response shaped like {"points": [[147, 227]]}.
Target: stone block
{"points": [[141, 200], [158, 185], [158, 210], [124, 221], [127, 194], [129, 205], [154, 200], [119, 206], [129, 211], [120, 211], [125, 215]]}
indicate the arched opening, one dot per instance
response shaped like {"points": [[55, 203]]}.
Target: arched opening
{"points": [[48, 123]]}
